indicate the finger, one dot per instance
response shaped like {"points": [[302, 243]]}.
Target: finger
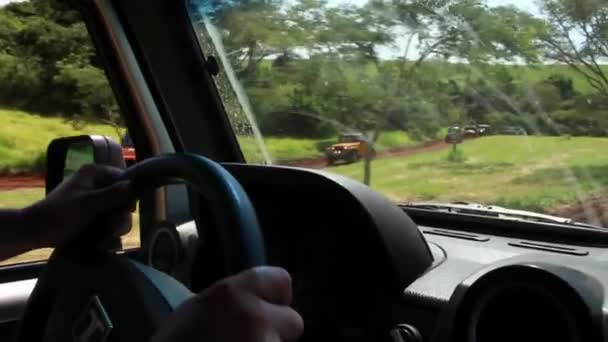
{"points": [[269, 336], [119, 196], [106, 175], [288, 324], [272, 284], [98, 176]]}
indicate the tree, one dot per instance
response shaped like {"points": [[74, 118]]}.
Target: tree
{"points": [[48, 62], [576, 33], [564, 84]]}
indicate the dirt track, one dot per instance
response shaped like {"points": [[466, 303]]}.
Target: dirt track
{"points": [[593, 209], [320, 162], [12, 182]]}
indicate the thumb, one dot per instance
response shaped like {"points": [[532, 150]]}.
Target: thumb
{"points": [[118, 196]]}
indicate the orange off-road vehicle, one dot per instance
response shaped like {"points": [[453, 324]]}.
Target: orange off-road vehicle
{"points": [[350, 148]]}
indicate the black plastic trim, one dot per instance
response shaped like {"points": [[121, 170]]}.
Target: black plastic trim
{"points": [[458, 235], [553, 233], [549, 248], [173, 66]]}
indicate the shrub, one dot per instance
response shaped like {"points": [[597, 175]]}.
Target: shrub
{"points": [[456, 155]]}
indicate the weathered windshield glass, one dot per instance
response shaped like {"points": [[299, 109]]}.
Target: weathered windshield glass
{"points": [[494, 102]]}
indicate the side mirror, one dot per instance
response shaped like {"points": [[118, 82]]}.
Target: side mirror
{"points": [[65, 156]]}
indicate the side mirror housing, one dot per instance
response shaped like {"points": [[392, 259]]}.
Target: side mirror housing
{"points": [[65, 156]]}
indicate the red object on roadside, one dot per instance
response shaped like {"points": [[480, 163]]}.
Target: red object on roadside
{"points": [[128, 153]]}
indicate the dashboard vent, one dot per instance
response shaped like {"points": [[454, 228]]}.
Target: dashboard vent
{"points": [[549, 248], [457, 235]]}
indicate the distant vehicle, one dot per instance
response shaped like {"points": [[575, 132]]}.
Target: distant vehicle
{"points": [[470, 131], [128, 150], [454, 135], [350, 148], [484, 129], [514, 130]]}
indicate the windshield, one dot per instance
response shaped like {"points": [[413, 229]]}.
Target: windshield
{"points": [[528, 81]]}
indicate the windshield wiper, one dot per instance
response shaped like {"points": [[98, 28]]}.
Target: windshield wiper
{"points": [[498, 212]]}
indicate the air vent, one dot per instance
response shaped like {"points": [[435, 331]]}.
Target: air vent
{"points": [[457, 235], [549, 248]]}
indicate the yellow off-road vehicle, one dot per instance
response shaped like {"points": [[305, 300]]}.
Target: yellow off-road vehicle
{"points": [[350, 148]]}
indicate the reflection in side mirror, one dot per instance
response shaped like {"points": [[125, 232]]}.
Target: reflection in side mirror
{"points": [[66, 155], [77, 155]]}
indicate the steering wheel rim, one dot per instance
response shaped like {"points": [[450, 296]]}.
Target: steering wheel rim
{"points": [[239, 235]]}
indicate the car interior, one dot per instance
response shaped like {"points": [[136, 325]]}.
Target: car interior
{"points": [[364, 268]]}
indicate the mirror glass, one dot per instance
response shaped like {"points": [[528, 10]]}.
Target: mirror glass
{"points": [[78, 154]]}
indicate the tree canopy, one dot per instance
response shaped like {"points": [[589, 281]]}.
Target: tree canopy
{"points": [[316, 67]]}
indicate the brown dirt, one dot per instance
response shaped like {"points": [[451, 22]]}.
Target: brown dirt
{"points": [[593, 209], [321, 162], [12, 182]]}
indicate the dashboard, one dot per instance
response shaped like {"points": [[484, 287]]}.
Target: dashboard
{"points": [[495, 288], [364, 270]]}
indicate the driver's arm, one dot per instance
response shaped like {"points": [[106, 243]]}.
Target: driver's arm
{"points": [[90, 192]]}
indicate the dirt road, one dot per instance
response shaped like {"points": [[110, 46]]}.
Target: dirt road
{"points": [[593, 209], [321, 162], [12, 182]]}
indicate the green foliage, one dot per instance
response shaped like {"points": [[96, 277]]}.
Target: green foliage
{"points": [[46, 62], [575, 34], [456, 155], [394, 139], [311, 70], [90, 94]]}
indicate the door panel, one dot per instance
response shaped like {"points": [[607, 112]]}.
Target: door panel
{"points": [[13, 299]]}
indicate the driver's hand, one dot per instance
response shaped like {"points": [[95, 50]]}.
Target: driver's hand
{"points": [[252, 306], [90, 194]]}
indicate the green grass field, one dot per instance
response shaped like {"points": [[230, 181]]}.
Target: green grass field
{"points": [[534, 173]]}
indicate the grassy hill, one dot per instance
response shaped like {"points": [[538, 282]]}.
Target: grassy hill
{"points": [[535, 173], [24, 137]]}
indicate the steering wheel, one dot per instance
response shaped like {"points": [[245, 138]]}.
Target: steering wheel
{"points": [[86, 293]]}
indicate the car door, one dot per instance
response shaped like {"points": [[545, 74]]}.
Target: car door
{"points": [[53, 84], [158, 84]]}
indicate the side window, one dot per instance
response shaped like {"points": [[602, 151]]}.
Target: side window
{"points": [[51, 85]]}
